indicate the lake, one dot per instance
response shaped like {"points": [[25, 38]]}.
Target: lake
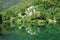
{"points": [[47, 32], [4, 4]]}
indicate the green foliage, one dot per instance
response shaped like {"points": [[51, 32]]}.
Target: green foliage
{"points": [[47, 9]]}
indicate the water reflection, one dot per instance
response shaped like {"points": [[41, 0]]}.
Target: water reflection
{"points": [[43, 32]]}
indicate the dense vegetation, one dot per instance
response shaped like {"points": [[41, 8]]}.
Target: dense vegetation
{"points": [[45, 10]]}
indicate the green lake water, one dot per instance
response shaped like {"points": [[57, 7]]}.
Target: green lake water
{"points": [[47, 32]]}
